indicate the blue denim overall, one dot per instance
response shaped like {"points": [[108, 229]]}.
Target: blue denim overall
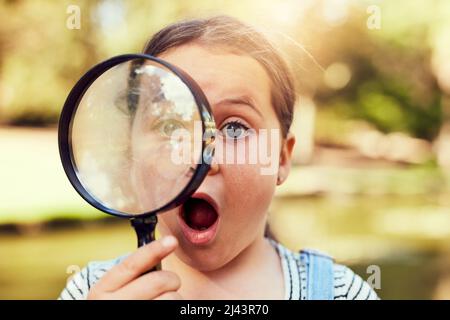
{"points": [[319, 275]]}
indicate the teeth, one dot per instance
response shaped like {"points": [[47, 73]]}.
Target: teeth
{"points": [[200, 228]]}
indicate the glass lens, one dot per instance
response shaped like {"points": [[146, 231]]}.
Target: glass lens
{"points": [[132, 137]]}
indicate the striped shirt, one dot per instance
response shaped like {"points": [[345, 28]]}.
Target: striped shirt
{"points": [[347, 284]]}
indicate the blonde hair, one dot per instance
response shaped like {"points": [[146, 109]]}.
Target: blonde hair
{"points": [[241, 38]]}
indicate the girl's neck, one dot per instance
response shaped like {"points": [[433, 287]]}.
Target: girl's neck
{"points": [[244, 277]]}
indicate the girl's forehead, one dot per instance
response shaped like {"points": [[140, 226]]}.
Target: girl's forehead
{"points": [[221, 74]]}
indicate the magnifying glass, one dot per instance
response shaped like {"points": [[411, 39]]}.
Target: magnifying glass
{"points": [[136, 138]]}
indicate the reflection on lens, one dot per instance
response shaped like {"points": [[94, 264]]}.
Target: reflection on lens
{"points": [[122, 137]]}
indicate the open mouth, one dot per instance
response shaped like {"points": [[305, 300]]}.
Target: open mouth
{"points": [[199, 214], [199, 218]]}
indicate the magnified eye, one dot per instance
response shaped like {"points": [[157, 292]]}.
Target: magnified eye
{"points": [[235, 130], [167, 127]]}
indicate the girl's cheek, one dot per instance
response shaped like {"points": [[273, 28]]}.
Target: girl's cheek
{"points": [[247, 189], [259, 150], [263, 153], [167, 221], [255, 164], [254, 182]]}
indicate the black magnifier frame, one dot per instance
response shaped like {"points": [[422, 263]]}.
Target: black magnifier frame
{"points": [[144, 223]]}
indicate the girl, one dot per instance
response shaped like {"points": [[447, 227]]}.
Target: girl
{"points": [[215, 246]]}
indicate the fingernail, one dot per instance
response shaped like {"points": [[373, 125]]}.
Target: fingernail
{"points": [[168, 241]]}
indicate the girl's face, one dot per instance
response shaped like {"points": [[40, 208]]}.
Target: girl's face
{"points": [[239, 92]]}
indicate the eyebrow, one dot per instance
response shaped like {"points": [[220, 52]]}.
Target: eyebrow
{"points": [[244, 100]]}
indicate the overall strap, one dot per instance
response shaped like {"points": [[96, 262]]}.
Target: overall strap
{"points": [[319, 275]]}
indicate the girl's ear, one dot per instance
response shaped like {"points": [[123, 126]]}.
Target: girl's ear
{"points": [[285, 158]]}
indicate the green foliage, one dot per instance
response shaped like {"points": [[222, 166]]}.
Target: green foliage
{"points": [[41, 59], [393, 85], [391, 108]]}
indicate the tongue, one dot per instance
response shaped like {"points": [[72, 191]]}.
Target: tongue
{"points": [[199, 214]]}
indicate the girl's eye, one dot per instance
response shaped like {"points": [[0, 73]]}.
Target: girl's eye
{"points": [[235, 130], [167, 127]]}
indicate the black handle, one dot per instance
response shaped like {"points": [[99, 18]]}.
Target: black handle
{"points": [[145, 231]]}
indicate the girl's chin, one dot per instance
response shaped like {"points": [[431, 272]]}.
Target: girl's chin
{"points": [[200, 261]]}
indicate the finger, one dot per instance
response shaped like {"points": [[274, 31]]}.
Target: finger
{"points": [[171, 295], [139, 262], [149, 286]]}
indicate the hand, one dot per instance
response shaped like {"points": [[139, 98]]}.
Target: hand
{"points": [[128, 280]]}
